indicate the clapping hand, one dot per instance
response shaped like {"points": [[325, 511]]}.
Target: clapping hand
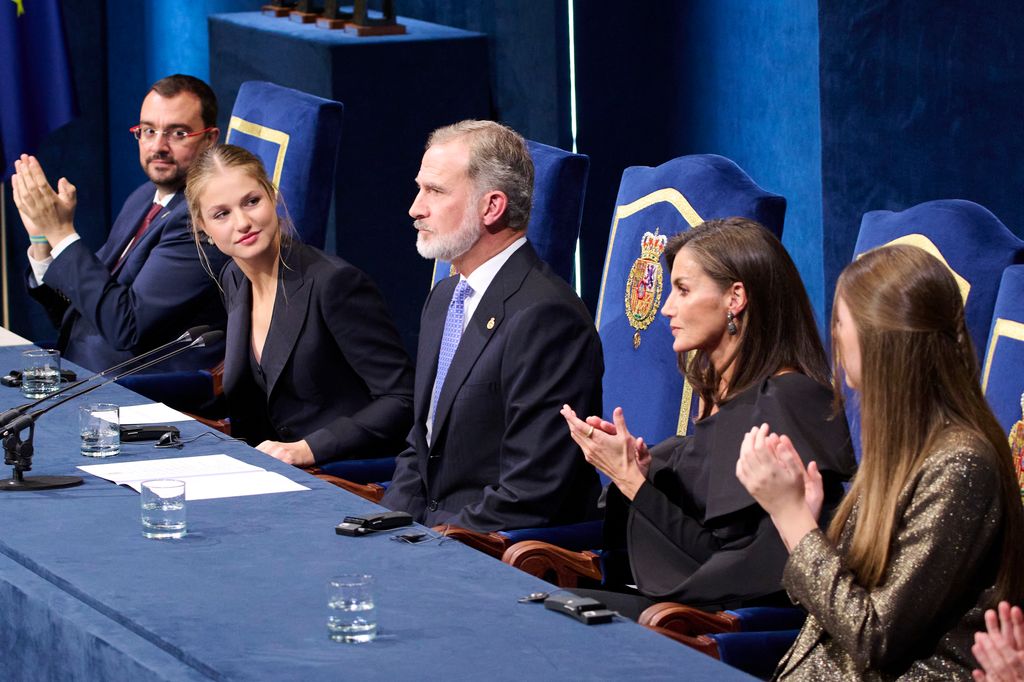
{"points": [[611, 448], [1000, 650], [772, 471], [44, 212]]}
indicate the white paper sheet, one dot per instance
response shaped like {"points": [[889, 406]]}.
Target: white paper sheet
{"points": [[233, 485], [9, 338], [206, 477], [151, 413]]}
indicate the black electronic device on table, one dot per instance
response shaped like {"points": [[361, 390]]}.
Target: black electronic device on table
{"points": [[363, 525], [137, 432], [584, 609]]}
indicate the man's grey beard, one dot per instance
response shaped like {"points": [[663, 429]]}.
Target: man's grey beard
{"points": [[450, 246]]}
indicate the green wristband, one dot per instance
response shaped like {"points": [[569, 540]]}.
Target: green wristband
{"points": [[37, 239]]}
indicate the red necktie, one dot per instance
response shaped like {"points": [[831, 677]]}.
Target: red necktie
{"points": [[153, 210]]}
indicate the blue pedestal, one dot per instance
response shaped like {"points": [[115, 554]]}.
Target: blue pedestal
{"points": [[395, 89]]}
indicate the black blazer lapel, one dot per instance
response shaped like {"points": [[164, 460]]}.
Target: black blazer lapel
{"points": [[484, 324], [290, 308], [236, 353]]}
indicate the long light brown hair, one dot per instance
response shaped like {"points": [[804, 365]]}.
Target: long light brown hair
{"points": [[919, 376], [777, 329]]}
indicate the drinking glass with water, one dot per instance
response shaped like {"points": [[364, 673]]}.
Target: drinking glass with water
{"points": [[100, 427], [41, 374], [352, 614], [163, 509]]}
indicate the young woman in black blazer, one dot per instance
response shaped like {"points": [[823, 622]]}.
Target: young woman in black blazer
{"points": [[314, 369]]}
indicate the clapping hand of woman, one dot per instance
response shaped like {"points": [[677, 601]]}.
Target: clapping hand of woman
{"points": [[1000, 650], [611, 448], [771, 470]]}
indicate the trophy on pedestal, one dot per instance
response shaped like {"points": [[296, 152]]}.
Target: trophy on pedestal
{"points": [[359, 22], [305, 12], [280, 9]]}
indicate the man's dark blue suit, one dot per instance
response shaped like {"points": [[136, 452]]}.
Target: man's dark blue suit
{"points": [[501, 456], [160, 290]]}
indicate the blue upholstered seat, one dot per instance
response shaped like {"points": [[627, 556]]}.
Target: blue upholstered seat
{"points": [[1002, 377], [559, 186], [296, 135], [973, 243]]}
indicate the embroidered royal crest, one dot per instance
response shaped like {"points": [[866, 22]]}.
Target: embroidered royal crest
{"points": [[643, 287], [1017, 448]]}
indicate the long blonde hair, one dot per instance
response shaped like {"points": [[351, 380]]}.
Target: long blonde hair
{"points": [[919, 376], [216, 160]]}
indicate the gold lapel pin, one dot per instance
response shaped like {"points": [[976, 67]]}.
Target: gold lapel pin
{"points": [[490, 323]]}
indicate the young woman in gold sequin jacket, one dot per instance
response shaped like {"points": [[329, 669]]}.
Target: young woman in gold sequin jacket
{"points": [[930, 533]]}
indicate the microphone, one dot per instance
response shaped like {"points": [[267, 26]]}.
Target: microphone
{"points": [[187, 337], [19, 453]]}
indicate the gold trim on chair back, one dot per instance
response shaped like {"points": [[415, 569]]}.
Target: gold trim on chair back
{"points": [[267, 134], [673, 197], [922, 242], [1009, 329]]}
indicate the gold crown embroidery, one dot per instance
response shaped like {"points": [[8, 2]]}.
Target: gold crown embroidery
{"points": [[1017, 448], [643, 286]]}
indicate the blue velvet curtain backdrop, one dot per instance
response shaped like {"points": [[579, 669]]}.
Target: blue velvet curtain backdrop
{"points": [[840, 107]]}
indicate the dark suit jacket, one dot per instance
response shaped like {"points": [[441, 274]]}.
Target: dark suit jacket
{"points": [[501, 455], [336, 372], [160, 290]]}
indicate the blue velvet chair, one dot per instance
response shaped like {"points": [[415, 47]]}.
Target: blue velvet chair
{"points": [[296, 135], [973, 243], [559, 187], [752, 639], [666, 200], [1002, 377]]}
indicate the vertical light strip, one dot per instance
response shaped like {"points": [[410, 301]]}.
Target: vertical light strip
{"points": [[572, 123], [3, 256]]}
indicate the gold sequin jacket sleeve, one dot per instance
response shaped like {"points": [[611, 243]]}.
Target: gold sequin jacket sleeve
{"points": [[949, 522]]}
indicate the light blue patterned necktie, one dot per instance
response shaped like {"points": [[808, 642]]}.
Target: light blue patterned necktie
{"points": [[450, 339]]}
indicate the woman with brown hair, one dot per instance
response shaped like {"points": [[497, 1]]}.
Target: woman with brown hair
{"points": [[314, 370], [693, 533], [930, 533]]}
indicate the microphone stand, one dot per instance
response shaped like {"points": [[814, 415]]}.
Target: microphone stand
{"points": [[18, 451], [187, 337]]}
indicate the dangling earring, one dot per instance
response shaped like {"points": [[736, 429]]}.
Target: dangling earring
{"points": [[730, 323]]}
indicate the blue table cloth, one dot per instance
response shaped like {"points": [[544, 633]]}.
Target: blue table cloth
{"points": [[243, 596]]}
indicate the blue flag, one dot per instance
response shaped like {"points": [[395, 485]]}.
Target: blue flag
{"points": [[36, 91]]}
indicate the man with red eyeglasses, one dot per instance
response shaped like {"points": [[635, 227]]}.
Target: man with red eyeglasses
{"points": [[147, 283]]}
